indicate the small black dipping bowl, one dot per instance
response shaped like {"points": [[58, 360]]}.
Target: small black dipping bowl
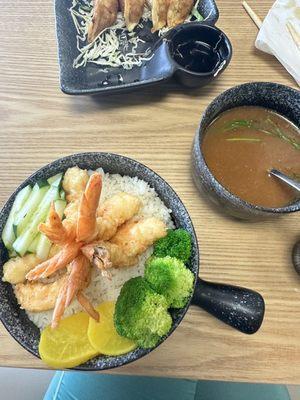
{"points": [[239, 307], [193, 53], [282, 99]]}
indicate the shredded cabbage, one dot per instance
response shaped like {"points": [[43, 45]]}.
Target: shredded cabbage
{"points": [[115, 46]]}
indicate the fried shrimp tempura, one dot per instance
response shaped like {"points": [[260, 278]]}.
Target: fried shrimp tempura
{"points": [[74, 184], [15, 269], [131, 240], [38, 296], [86, 222], [114, 212]]}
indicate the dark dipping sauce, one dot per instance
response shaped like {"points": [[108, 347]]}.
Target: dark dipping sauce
{"points": [[197, 56], [243, 144]]}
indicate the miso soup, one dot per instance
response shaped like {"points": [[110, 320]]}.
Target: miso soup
{"points": [[243, 144]]}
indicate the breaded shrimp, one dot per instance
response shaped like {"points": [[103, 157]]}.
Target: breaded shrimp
{"points": [[105, 255], [71, 211], [159, 14], [15, 269], [78, 279], [178, 11], [114, 212], [37, 296], [104, 15], [132, 239], [55, 230], [74, 183], [135, 236], [86, 223], [55, 263], [133, 11]]}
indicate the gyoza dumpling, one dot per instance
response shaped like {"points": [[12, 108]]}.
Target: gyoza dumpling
{"points": [[104, 16], [178, 11], [159, 14], [133, 11]]}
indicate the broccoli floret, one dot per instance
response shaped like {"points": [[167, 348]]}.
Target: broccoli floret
{"points": [[141, 314], [170, 277], [176, 244]]}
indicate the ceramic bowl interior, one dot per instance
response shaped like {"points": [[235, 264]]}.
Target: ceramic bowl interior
{"points": [[282, 99], [16, 321]]}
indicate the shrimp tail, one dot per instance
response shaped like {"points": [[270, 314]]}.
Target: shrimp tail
{"points": [[54, 229], [77, 281], [60, 307], [79, 277], [86, 223], [57, 262], [87, 306]]}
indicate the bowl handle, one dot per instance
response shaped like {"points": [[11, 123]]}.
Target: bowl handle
{"points": [[241, 308]]}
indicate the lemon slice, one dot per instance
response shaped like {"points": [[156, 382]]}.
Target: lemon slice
{"points": [[103, 335], [67, 346]]}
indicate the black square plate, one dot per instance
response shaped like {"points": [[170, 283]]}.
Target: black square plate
{"points": [[91, 79]]}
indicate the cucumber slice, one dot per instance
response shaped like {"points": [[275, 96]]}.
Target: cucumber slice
{"points": [[33, 245], [42, 182], [23, 217], [43, 247], [24, 240], [8, 235], [55, 180], [60, 206], [44, 244], [62, 194]]}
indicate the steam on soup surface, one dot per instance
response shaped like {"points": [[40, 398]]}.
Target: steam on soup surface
{"points": [[242, 144]]}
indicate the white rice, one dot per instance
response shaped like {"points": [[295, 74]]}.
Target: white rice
{"points": [[102, 289]]}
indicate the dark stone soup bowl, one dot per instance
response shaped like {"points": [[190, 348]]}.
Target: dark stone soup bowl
{"points": [[282, 99], [239, 307]]}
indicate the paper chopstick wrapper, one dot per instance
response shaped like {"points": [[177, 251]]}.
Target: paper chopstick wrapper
{"points": [[280, 35]]}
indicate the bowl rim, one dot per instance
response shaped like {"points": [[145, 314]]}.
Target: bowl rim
{"points": [[222, 191], [200, 26], [114, 361]]}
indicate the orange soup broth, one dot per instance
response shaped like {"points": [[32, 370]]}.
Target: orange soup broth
{"points": [[240, 157]]}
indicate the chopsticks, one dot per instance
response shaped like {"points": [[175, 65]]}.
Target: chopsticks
{"points": [[258, 22], [255, 18]]}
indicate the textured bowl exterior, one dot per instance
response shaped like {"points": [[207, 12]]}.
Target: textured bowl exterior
{"points": [[16, 321], [280, 98]]}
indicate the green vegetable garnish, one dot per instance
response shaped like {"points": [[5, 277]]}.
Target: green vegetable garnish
{"points": [[170, 277], [141, 314], [270, 129], [195, 13], [242, 139], [176, 244]]}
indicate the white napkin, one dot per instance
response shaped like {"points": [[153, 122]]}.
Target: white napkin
{"points": [[274, 36]]}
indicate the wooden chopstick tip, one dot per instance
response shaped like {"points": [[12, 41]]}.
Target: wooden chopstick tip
{"points": [[255, 18]]}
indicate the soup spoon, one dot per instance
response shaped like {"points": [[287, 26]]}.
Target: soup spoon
{"points": [[286, 179]]}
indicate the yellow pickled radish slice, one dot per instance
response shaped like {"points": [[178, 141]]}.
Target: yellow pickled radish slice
{"points": [[68, 345], [103, 335]]}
